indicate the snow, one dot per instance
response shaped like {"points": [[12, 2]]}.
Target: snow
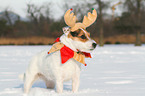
{"points": [[114, 70]]}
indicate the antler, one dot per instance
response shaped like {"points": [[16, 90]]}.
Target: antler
{"points": [[87, 21], [70, 19]]}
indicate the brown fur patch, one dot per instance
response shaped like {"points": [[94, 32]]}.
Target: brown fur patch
{"points": [[81, 34]]}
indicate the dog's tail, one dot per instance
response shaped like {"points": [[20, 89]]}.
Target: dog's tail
{"points": [[22, 76]]}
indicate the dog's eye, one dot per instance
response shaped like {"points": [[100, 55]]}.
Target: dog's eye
{"points": [[74, 34], [83, 37]]}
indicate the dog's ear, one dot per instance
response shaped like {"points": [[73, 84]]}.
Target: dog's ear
{"points": [[66, 30]]}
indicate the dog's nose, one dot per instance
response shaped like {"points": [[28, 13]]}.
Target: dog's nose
{"points": [[94, 45]]}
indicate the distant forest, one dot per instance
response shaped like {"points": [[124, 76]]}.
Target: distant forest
{"points": [[40, 22]]}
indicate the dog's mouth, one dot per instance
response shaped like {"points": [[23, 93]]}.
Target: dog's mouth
{"points": [[91, 49], [87, 51]]}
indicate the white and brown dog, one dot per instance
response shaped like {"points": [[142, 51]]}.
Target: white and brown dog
{"points": [[49, 66]]}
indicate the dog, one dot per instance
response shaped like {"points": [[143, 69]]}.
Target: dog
{"points": [[49, 66]]}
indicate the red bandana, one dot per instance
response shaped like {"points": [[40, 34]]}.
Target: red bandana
{"points": [[57, 40], [67, 53]]}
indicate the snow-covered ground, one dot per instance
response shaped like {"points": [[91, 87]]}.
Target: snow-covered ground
{"points": [[114, 70]]}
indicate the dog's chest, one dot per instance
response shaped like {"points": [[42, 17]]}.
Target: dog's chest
{"points": [[54, 68]]}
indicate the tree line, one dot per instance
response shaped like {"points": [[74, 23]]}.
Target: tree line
{"points": [[41, 23]]}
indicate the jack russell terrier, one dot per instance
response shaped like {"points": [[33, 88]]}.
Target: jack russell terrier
{"points": [[63, 61]]}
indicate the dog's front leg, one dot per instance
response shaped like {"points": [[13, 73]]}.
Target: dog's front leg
{"points": [[59, 86], [75, 82]]}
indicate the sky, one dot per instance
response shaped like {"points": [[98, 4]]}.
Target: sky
{"points": [[20, 6]]}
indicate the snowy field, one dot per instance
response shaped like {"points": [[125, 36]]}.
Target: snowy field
{"points": [[114, 70]]}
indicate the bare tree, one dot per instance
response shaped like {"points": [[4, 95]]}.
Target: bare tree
{"points": [[138, 33], [101, 37], [101, 7], [135, 7], [10, 16], [34, 12]]}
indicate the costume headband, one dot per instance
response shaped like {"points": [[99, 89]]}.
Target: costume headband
{"points": [[70, 20]]}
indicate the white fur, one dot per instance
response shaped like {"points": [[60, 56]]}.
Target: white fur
{"points": [[49, 67]]}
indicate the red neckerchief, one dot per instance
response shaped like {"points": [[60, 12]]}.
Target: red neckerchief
{"points": [[67, 53], [57, 40], [87, 55]]}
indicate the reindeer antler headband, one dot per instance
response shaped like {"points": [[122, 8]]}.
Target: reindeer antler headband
{"points": [[70, 20]]}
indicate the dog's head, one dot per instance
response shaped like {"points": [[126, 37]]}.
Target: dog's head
{"points": [[79, 39], [75, 36]]}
